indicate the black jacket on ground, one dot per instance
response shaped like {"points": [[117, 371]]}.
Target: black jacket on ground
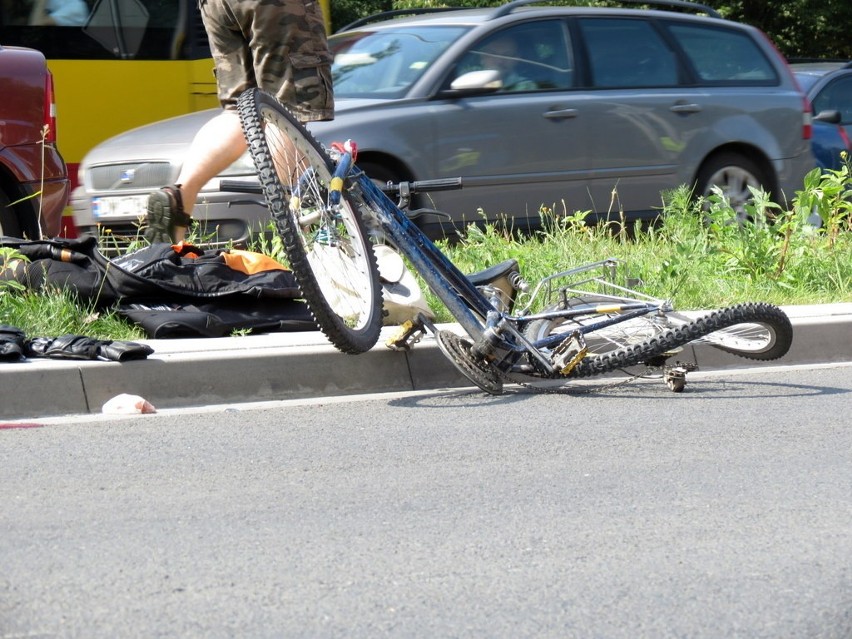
{"points": [[169, 291]]}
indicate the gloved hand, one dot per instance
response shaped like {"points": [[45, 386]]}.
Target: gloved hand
{"points": [[82, 347], [11, 343]]}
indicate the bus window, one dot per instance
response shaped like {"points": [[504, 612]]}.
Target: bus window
{"points": [[121, 29], [59, 13], [125, 64], [130, 63], [110, 29]]}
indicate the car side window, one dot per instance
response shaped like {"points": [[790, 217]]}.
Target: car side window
{"points": [[724, 56], [386, 63], [836, 96], [627, 53], [533, 56]]}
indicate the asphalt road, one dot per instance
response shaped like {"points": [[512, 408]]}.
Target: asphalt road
{"points": [[725, 511]]}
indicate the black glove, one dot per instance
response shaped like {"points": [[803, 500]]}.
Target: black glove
{"points": [[123, 351], [11, 343], [82, 347], [64, 347]]}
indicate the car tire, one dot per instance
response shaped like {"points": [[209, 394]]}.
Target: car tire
{"points": [[378, 173], [8, 219], [733, 174]]}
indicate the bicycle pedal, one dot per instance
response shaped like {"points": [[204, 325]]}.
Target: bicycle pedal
{"points": [[408, 334], [569, 353]]}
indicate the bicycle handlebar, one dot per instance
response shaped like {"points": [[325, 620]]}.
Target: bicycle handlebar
{"points": [[418, 186], [423, 186], [240, 186]]}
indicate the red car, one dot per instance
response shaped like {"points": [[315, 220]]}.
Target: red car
{"points": [[34, 182]]}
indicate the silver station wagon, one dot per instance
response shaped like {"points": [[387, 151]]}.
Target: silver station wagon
{"points": [[568, 108]]}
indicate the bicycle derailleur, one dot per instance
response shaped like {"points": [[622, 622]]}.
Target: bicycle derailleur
{"points": [[674, 374]]}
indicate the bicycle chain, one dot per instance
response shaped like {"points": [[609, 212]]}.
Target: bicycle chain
{"points": [[490, 379], [573, 390]]}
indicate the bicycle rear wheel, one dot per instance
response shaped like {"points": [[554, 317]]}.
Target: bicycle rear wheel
{"points": [[603, 340], [326, 244], [766, 338], [773, 320]]}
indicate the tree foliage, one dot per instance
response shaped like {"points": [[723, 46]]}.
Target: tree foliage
{"points": [[799, 28]]}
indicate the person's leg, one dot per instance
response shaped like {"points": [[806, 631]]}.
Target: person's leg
{"points": [[217, 145], [220, 141], [292, 61]]}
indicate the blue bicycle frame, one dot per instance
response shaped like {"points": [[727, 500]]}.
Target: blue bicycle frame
{"points": [[499, 332], [453, 288]]}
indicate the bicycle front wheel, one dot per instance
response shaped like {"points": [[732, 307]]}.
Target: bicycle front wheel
{"points": [[326, 243]]}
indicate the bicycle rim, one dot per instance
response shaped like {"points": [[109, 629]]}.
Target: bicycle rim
{"points": [[327, 246], [603, 340], [752, 340], [767, 315]]}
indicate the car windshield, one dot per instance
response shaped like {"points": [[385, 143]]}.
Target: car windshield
{"points": [[385, 63]]}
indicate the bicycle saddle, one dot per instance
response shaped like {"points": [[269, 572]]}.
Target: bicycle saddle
{"points": [[501, 278]]}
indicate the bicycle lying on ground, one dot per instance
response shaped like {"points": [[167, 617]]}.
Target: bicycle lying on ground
{"points": [[576, 323]]}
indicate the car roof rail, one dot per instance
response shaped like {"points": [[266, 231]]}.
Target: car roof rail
{"points": [[508, 8], [844, 63], [378, 17]]}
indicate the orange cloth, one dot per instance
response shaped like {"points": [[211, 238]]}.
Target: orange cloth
{"points": [[248, 262]]}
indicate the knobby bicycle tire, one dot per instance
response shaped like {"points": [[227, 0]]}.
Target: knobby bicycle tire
{"points": [[328, 248], [767, 315], [754, 340]]}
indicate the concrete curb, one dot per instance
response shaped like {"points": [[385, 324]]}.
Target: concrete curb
{"points": [[276, 366]]}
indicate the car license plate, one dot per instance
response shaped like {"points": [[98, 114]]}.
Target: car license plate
{"points": [[119, 206]]}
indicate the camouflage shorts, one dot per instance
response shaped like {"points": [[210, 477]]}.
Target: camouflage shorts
{"points": [[277, 45]]}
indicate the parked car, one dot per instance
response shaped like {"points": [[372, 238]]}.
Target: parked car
{"points": [[577, 109], [33, 178], [828, 86]]}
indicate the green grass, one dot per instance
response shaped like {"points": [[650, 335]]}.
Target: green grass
{"points": [[54, 313], [699, 255]]}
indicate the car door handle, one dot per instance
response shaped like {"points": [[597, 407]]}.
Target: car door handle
{"points": [[685, 108], [556, 113]]}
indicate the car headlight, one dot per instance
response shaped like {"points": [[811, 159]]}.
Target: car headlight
{"points": [[243, 166]]}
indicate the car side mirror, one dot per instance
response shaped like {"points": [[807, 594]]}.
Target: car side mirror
{"points": [[832, 116], [474, 83]]}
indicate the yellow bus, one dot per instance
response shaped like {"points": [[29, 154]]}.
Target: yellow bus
{"points": [[117, 64]]}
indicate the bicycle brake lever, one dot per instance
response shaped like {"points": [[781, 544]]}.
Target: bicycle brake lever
{"points": [[421, 212], [404, 190]]}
